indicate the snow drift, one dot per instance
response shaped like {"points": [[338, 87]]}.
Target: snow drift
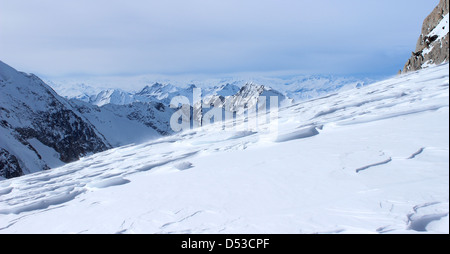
{"points": [[372, 159]]}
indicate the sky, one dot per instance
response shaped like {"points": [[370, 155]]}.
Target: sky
{"points": [[86, 38]]}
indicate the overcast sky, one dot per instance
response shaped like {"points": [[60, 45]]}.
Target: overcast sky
{"points": [[65, 38]]}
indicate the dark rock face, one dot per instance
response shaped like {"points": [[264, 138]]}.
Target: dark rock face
{"points": [[9, 165], [154, 115], [66, 133], [432, 46]]}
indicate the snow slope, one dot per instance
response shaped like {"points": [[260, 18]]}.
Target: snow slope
{"points": [[127, 124], [367, 160]]}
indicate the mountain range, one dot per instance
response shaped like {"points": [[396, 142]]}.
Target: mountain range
{"points": [[42, 130], [296, 88]]}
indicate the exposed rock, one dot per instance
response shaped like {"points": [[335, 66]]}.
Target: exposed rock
{"points": [[38, 127], [433, 44], [9, 165]]}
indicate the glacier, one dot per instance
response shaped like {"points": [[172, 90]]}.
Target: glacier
{"points": [[370, 159]]}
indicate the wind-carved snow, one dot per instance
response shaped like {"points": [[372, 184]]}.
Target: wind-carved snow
{"points": [[301, 179], [419, 220], [416, 153], [373, 165], [298, 134]]}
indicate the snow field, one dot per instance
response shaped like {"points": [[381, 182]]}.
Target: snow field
{"points": [[367, 160]]}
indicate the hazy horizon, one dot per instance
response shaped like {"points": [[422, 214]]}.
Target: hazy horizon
{"points": [[202, 39]]}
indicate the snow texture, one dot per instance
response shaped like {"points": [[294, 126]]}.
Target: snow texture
{"points": [[373, 159]]}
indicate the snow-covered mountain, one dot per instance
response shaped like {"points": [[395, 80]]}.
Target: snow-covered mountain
{"points": [[158, 93], [247, 97], [39, 129], [372, 159], [44, 130], [223, 90], [309, 87], [295, 88], [433, 44], [111, 96], [126, 124], [164, 93], [125, 118], [75, 90]]}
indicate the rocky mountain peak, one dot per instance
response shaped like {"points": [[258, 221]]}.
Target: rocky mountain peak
{"points": [[433, 43]]}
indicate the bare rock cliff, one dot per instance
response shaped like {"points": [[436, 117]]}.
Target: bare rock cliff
{"points": [[433, 44]]}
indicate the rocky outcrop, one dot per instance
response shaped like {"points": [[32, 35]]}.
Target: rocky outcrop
{"points": [[39, 129], [433, 44], [9, 165]]}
